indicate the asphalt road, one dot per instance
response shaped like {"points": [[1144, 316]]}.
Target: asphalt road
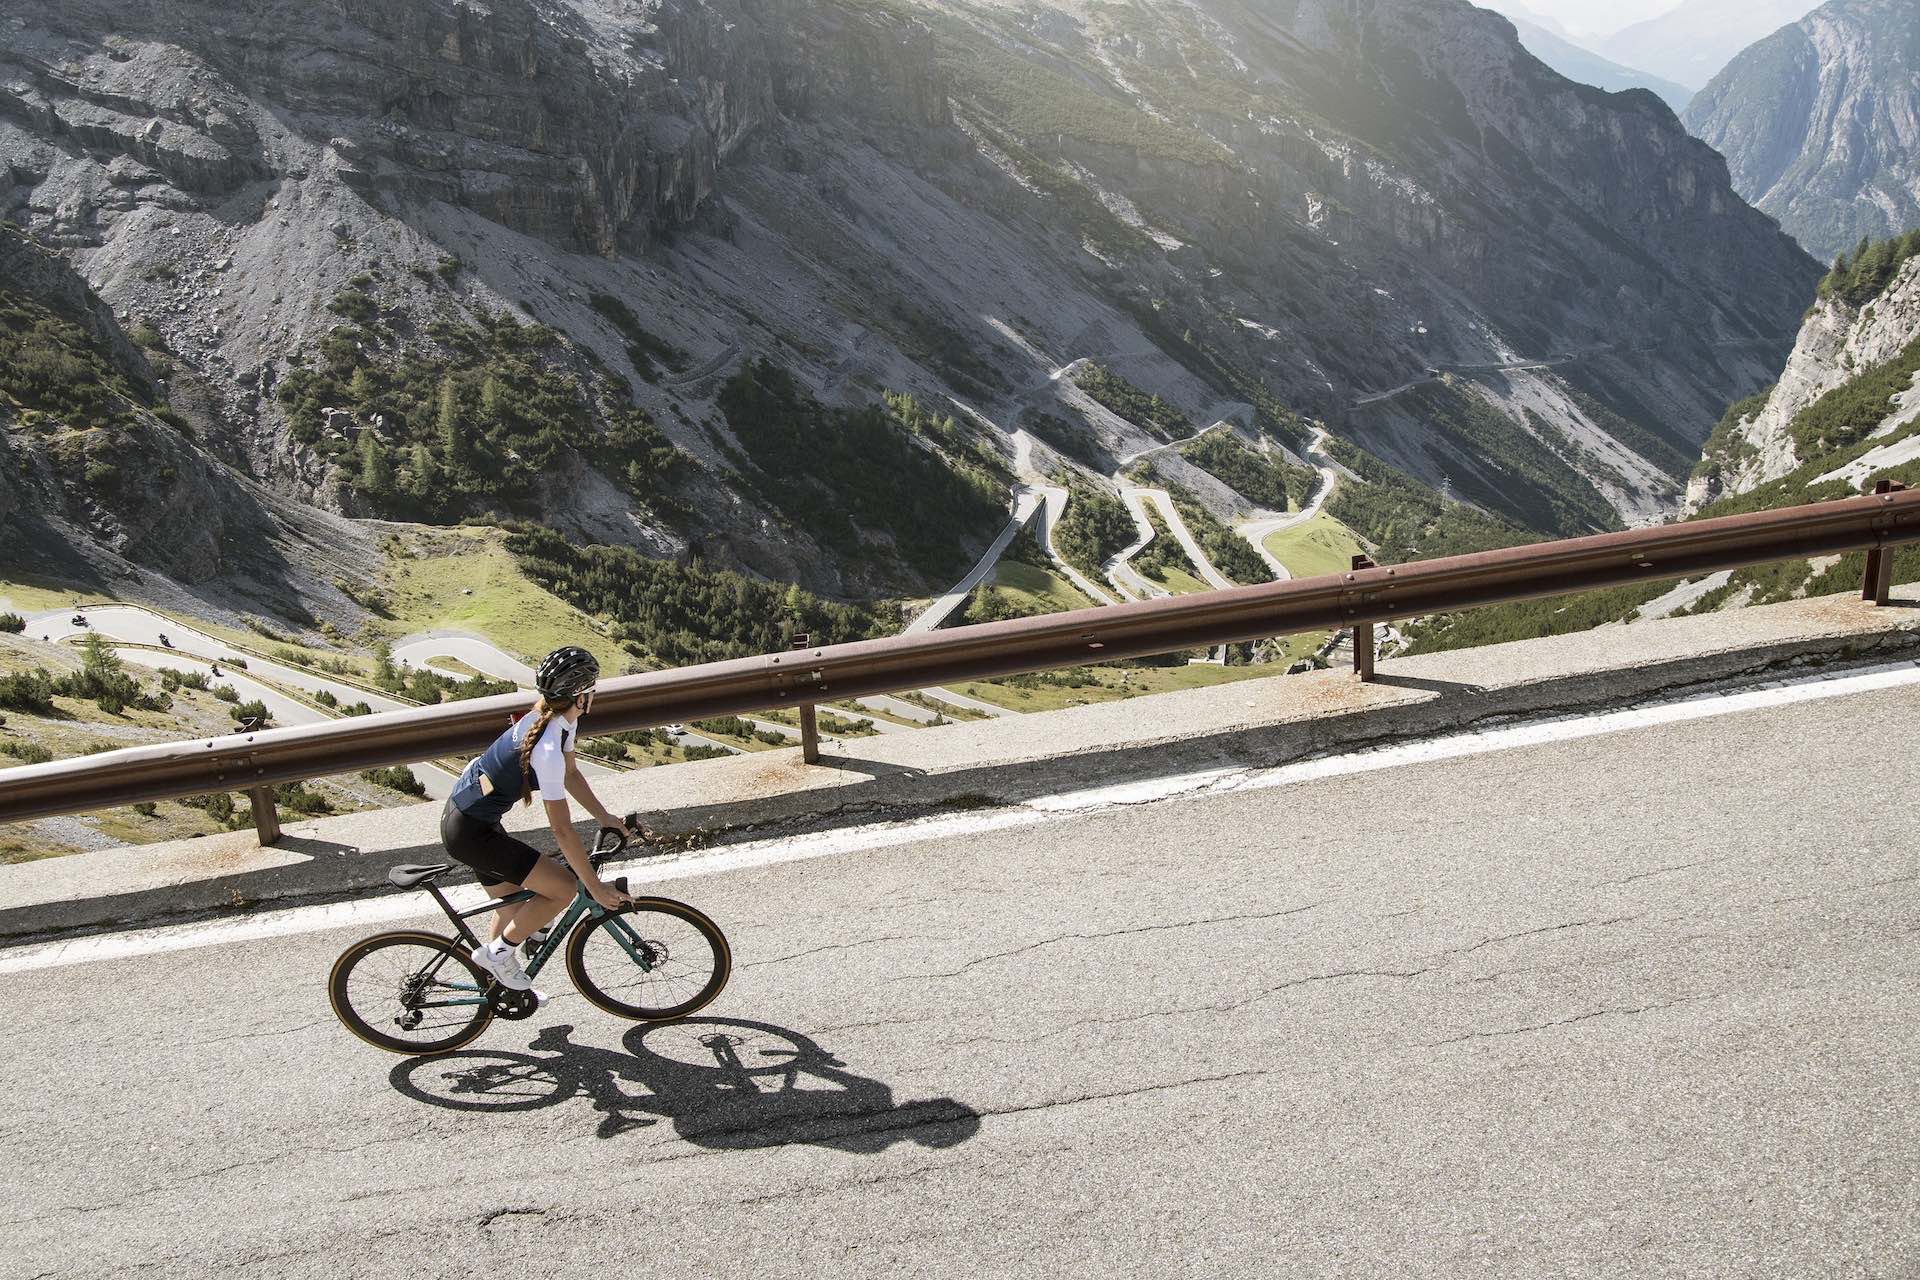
{"points": [[1637, 1004]]}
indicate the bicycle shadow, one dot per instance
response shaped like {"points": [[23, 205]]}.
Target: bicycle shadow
{"points": [[724, 1083]]}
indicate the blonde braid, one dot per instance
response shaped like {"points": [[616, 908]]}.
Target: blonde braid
{"points": [[547, 709]]}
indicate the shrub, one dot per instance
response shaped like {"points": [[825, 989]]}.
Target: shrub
{"points": [[1148, 412], [837, 473], [395, 777], [700, 751], [253, 709], [27, 691], [103, 680], [682, 613], [1095, 527], [12, 623], [146, 808], [300, 798], [1845, 415], [26, 752]]}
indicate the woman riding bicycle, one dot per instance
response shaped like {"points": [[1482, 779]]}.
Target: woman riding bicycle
{"points": [[534, 754]]}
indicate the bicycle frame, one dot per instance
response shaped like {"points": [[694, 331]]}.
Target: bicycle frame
{"points": [[582, 907]]}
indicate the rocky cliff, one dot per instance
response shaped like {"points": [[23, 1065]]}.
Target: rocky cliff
{"points": [[104, 487], [1820, 123], [1858, 342], [1245, 207]]}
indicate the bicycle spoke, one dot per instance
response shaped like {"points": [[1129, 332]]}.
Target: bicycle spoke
{"points": [[410, 993], [689, 962]]}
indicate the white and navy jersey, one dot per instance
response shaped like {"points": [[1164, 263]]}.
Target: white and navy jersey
{"points": [[490, 785]]}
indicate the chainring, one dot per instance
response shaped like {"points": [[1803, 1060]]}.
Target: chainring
{"points": [[510, 1004]]}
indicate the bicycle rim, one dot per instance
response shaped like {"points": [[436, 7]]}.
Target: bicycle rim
{"points": [[409, 992], [652, 962]]}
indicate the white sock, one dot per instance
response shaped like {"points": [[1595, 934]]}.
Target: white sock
{"points": [[500, 946]]}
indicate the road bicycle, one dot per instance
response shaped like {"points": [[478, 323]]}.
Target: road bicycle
{"points": [[416, 992]]}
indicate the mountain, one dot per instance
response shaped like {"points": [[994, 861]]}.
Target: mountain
{"points": [[1582, 21], [102, 482], [774, 285], [1692, 42], [1558, 50], [1847, 403], [1820, 123], [1842, 416]]}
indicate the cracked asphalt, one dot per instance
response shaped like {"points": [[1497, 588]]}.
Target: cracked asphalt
{"points": [[1637, 1004]]}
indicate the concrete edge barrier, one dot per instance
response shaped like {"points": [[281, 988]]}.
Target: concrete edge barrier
{"points": [[985, 763]]}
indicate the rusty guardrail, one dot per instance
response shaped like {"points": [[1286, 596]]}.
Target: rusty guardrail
{"points": [[1358, 598]]}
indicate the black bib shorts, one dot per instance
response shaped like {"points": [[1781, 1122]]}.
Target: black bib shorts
{"points": [[495, 856]]}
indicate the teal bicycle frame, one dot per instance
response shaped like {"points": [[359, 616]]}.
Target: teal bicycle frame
{"points": [[583, 907]]}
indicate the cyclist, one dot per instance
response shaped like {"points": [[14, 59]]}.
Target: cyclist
{"points": [[534, 754]]}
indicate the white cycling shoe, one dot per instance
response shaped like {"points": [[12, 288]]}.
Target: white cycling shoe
{"points": [[504, 966]]}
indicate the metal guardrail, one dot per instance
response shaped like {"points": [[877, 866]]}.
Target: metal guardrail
{"points": [[1358, 599]]}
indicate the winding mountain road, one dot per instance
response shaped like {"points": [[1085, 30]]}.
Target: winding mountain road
{"points": [[1256, 532], [1119, 569], [1026, 503], [191, 650]]}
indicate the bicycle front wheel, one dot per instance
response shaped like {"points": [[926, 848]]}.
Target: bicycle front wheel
{"points": [[410, 992], [654, 961]]}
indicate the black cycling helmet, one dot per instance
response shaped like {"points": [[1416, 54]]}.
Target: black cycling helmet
{"points": [[565, 673]]}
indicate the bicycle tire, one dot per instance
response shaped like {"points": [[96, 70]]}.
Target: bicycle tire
{"points": [[647, 917], [463, 1023]]}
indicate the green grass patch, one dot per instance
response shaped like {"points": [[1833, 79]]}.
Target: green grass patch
{"points": [[1318, 546], [1043, 589], [427, 588]]}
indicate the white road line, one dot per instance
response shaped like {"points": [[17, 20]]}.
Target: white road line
{"points": [[772, 852]]}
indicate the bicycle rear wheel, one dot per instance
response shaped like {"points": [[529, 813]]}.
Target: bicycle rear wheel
{"points": [[410, 992], [654, 961]]}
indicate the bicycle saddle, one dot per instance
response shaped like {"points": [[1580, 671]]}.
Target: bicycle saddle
{"points": [[408, 876]]}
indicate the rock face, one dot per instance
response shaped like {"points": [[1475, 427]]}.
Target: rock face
{"points": [[1301, 202], [117, 499], [1820, 123], [1838, 342]]}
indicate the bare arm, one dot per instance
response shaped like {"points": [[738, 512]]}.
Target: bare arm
{"points": [[580, 789], [560, 818]]}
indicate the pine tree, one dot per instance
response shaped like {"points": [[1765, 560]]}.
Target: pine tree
{"points": [[455, 446], [359, 388], [376, 468], [492, 400], [426, 472]]}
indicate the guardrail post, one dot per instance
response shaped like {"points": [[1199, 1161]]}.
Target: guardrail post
{"points": [[266, 817], [1363, 633], [809, 722], [1877, 583]]}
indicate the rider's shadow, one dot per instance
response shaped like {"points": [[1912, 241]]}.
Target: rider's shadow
{"points": [[724, 1083]]}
